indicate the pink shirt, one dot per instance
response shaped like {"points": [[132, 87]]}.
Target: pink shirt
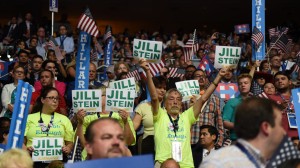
{"points": [[60, 86]]}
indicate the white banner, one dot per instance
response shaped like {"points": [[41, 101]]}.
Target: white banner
{"points": [[227, 56], [150, 50], [89, 100], [47, 149], [188, 88], [117, 99]]}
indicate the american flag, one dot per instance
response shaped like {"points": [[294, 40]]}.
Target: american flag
{"points": [[273, 32], [155, 68], [52, 42], [296, 68], [283, 43], [257, 36], [284, 30], [87, 24], [108, 33], [94, 55], [173, 73], [191, 47], [135, 74]]}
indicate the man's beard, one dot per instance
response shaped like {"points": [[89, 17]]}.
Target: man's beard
{"points": [[174, 110]]}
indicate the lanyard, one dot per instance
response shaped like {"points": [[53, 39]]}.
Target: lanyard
{"points": [[43, 126], [110, 114], [250, 157], [174, 123], [289, 109]]}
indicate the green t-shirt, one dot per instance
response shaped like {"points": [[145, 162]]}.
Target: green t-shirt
{"points": [[164, 135], [229, 113], [145, 111], [62, 127], [88, 119]]}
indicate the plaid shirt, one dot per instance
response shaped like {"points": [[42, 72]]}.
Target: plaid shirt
{"points": [[211, 116]]}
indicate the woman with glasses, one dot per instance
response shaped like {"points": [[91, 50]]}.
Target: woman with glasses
{"points": [[46, 123], [9, 90]]}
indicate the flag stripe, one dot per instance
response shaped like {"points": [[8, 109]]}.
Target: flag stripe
{"points": [[87, 24]]}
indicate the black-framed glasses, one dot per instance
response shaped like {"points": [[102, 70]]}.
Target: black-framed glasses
{"points": [[53, 98]]}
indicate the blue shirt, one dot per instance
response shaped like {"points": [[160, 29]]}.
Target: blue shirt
{"points": [[229, 113]]}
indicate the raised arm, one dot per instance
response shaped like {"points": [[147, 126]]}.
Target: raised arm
{"points": [[199, 103], [254, 67], [152, 90]]}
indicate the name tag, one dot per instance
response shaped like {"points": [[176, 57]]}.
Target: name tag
{"points": [[177, 151]]}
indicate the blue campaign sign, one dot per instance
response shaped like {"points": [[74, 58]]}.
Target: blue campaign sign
{"points": [[19, 118], [53, 5], [258, 20], [83, 61], [296, 101], [144, 161]]}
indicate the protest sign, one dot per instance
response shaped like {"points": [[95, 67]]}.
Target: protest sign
{"points": [[143, 161], [89, 100], [128, 83], [47, 149], [117, 99], [83, 61], [296, 102], [242, 28], [227, 91], [188, 88], [227, 56], [19, 116], [258, 20], [150, 50]]}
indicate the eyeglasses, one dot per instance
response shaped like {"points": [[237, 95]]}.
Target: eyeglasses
{"points": [[21, 72], [53, 98]]}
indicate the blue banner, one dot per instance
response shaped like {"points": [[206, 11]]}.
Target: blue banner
{"points": [[53, 5], [258, 20], [144, 161], [83, 61], [296, 101], [108, 55], [19, 118]]}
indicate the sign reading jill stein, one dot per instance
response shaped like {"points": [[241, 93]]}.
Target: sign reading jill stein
{"points": [[188, 88], [47, 149], [227, 56], [89, 100], [128, 83], [150, 50], [117, 99]]}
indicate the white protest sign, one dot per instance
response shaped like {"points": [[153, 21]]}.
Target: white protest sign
{"points": [[150, 50], [128, 83], [117, 99], [227, 56], [89, 100], [188, 88], [47, 149]]}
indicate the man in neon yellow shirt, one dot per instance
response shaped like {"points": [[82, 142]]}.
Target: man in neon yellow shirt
{"points": [[171, 126]]}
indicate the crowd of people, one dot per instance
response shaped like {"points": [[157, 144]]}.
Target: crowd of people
{"points": [[205, 131]]}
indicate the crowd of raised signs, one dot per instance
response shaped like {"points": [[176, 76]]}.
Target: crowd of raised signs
{"points": [[27, 50]]}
